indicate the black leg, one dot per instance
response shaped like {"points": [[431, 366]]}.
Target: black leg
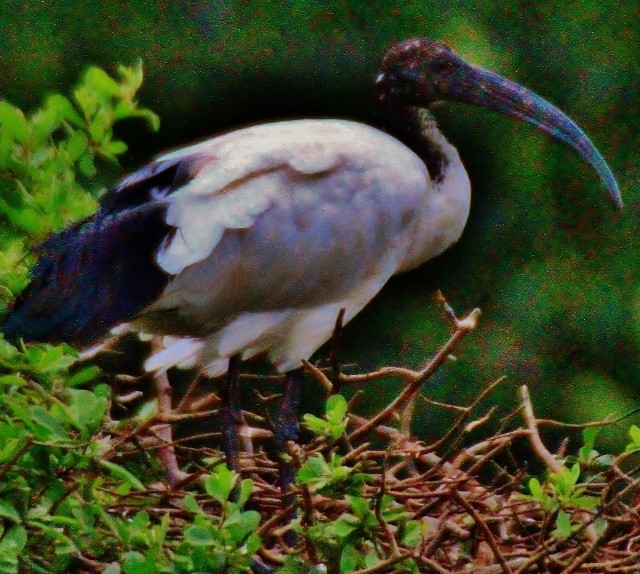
{"points": [[285, 425], [285, 428], [231, 417]]}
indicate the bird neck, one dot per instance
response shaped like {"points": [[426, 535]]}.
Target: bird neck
{"points": [[443, 214], [417, 129]]}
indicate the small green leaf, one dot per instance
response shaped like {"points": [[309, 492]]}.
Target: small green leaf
{"points": [[83, 376], [634, 433], [12, 381], [359, 505], [99, 80], [8, 511], [563, 525], [220, 484], [76, 145], [138, 563], [12, 121], [350, 558], [48, 422], [122, 473], [344, 528], [412, 533], [116, 147], [247, 522], [535, 488], [198, 536], [65, 108], [191, 504], [336, 408], [246, 488], [86, 165]]}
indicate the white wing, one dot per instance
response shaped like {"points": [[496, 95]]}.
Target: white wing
{"points": [[283, 223]]}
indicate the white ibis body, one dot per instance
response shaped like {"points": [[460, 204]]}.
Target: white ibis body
{"points": [[251, 242]]}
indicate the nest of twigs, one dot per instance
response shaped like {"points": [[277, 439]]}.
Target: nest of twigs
{"points": [[475, 511]]}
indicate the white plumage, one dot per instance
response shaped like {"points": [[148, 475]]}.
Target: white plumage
{"points": [[282, 226]]}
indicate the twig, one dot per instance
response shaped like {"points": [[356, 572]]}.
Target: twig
{"points": [[463, 328], [536, 442], [485, 529], [166, 453]]}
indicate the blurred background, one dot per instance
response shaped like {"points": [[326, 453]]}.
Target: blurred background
{"points": [[544, 255]]}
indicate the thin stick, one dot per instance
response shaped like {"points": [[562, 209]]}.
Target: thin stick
{"points": [[536, 442], [166, 453], [464, 327]]}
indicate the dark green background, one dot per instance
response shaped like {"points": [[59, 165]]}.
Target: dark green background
{"points": [[551, 265]]}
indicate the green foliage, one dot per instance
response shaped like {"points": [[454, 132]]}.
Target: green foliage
{"points": [[560, 493], [634, 434], [334, 423], [56, 481], [355, 539], [322, 475], [47, 163], [221, 541]]}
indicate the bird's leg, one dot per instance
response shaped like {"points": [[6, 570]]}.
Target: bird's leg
{"points": [[231, 417], [285, 428]]}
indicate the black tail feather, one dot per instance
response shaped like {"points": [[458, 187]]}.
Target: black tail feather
{"points": [[92, 276]]}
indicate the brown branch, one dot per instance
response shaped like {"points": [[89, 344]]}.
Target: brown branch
{"points": [[536, 442], [485, 529], [463, 328]]}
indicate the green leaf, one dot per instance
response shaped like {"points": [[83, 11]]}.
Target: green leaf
{"points": [[83, 376], [122, 473], [76, 145], [15, 537], [116, 147], [13, 122], [350, 558], [246, 524], [137, 563], [86, 410], [198, 536], [99, 80], [634, 433], [86, 165], [344, 527], [535, 488], [65, 108], [220, 484], [153, 120], [359, 505], [412, 533], [336, 408], [191, 504], [246, 488], [48, 422], [7, 510], [9, 448], [12, 381], [563, 525]]}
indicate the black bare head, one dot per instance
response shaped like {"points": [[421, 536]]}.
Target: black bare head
{"points": [[420, 72]]}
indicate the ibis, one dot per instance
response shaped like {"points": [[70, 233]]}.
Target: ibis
{"points": [[251, 242]]}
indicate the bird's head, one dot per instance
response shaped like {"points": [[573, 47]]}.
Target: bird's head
{"points": [[421, 72]]}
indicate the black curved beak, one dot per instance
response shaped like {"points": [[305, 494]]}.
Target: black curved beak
{"points": [[484, 88]]}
